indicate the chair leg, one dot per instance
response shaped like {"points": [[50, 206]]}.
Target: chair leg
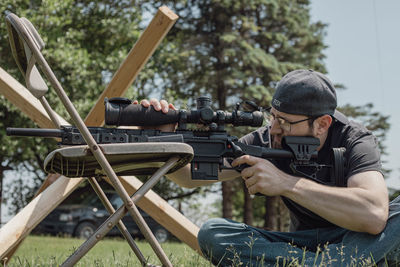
{"points": [[119, 214], [122, 228]]}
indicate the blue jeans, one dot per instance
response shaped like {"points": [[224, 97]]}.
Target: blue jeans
{"points": [[228, 243]]}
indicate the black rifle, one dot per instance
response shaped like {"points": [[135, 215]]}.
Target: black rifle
{"points": [[210, 146]]}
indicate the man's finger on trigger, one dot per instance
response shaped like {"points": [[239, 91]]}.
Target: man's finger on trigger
{"points": [[238, 161], [235, 162], [250, 160]]}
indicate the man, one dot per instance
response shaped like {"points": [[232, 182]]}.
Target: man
{"points": [[331, 223]]}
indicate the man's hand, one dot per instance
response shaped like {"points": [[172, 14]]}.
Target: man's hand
{"points": [[262, 176], [162, 106]]}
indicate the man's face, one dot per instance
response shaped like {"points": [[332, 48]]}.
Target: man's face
{"points": [[280, 126]]}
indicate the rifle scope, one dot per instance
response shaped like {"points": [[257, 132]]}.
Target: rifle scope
{"points": [[121, 112]]}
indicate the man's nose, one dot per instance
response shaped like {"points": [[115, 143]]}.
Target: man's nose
{"points": [[275, 128]]}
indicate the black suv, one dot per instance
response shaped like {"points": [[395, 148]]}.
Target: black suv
{"points": [[81, 220]]}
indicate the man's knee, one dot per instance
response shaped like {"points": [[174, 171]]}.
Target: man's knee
{"points": [[208, 233], [215, 236]]}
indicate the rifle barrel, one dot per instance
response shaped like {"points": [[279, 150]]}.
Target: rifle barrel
{"points": [[34, 132]]}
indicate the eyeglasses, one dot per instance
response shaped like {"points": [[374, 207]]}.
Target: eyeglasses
{"points": [[283, 123]]}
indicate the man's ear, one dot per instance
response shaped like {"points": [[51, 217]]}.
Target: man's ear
{"points": [[322, 124]]}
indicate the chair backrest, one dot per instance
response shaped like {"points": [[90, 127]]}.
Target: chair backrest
{"points": [[20, 30]]}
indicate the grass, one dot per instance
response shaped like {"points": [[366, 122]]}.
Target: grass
{"points": [[53, 251]]}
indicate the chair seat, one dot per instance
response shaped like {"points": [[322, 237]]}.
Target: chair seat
{"points": [[125, 159]]}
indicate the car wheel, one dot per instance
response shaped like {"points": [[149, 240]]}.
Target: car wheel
{"points": [[161, 234], [85, 230]]}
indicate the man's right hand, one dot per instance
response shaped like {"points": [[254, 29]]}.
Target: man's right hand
{"points": [[159, 105]]}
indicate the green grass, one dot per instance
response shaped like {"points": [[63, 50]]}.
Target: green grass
{"points": [[53, 251]]}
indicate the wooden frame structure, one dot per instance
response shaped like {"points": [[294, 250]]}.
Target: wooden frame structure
{"points": [[50, 194]]}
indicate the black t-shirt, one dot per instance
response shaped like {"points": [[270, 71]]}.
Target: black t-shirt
{"points": [[362, 154]]}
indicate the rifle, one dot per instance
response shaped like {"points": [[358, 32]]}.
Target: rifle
{"points": [[210, 146]]}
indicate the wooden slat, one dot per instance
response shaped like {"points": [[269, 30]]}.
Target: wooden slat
{"points": [[133, 64], [17, 94]]}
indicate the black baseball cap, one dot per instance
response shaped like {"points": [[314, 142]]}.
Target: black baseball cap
{"points": [[305, 92]]}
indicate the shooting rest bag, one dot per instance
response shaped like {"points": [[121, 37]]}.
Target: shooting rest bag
{"points": [[125, 159]]}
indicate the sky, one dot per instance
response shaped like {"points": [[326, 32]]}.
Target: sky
{"points": [[364, 54]]}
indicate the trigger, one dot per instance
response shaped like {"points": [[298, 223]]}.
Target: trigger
{"points": [[238, 168], [241, 167]]}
